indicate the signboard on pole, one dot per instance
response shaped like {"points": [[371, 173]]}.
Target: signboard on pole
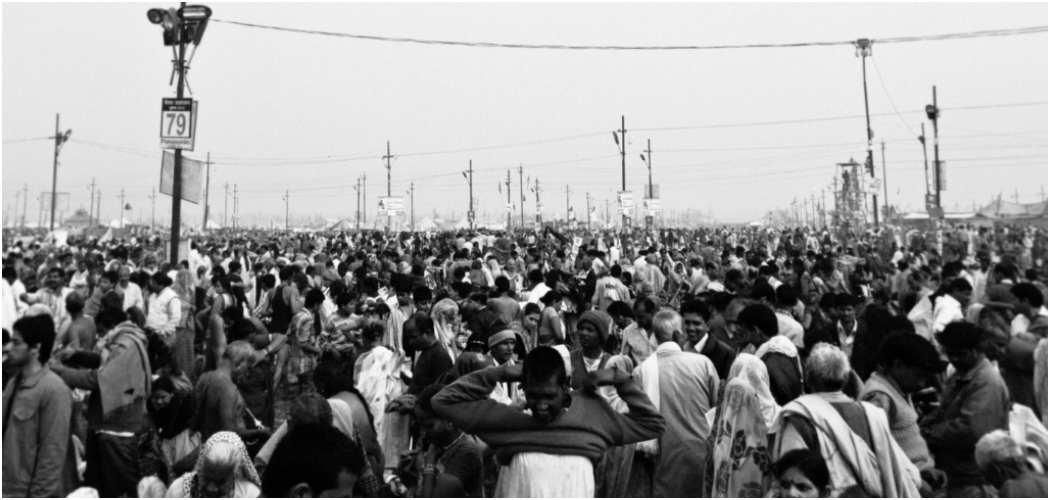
{"points": [[625, 202], [931, 201], [192, 177], [61, 202], [470, 217], [391, 206], [652, 207], [178, 123], [510, 208]]}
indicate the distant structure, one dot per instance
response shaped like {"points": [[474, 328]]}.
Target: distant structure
{"points": [[851, 210]]}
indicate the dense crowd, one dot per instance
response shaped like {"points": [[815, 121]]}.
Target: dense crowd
{"points": [[711, 363]]}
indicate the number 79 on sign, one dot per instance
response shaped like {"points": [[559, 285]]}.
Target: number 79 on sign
{"points": [[177, 124]]}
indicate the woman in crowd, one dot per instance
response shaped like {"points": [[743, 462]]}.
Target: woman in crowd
{"points": [[551, 327], [223, 470], [332, 380], [739, 464]]}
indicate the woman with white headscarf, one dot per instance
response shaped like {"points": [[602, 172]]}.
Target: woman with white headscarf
{"points": [[223, 470], [739, 464]]}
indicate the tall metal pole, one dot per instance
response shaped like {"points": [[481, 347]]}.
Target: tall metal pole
{"points": [[176, 192], [470, 218], [865, 49], [649, 163], [54, 173], [389, 219], [925, 159], [521, 190], [412, 221], [885, 186], [623, 162], [287, 212], [226, 207], [91, 207], [153, 208], [25, 204], [364, 199], [122, 205], [567, 205], [509, 206], [207, 192], [936, 151]]}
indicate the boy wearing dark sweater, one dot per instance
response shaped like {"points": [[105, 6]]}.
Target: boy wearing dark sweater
{"points": [[549, 448]]}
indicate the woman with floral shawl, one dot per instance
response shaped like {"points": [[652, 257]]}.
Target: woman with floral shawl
{"points": [[739, 463], [223, 451], [182, 342]]}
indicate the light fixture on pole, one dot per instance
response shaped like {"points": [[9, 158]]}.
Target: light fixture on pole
{"points": [[863, 51], [60, 139]]}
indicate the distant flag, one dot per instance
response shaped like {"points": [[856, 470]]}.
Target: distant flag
{"points": [[127, 206]]}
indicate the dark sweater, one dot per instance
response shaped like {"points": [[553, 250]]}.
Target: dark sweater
{"points": [[587, 428]]}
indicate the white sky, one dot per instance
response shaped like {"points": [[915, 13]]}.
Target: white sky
{"points": [[273, 95]]}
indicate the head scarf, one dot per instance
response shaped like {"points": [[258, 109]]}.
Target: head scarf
{"points": [[739, 465], [245, 468], [186, 290], [444, 314], [343, 418], [753, 371]]}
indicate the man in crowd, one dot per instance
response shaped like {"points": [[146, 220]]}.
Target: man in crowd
{"points": [[848, 434], [131, 292], [638, 341], [907, 364], [695, 318], [53, 296], [684, 387], [1003, 464], [549, 453], [757, 326], [313, 461], [37, 410], [975, 402]]}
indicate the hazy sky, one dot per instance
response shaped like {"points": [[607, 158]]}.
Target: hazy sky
{"points": [[311, 113]]}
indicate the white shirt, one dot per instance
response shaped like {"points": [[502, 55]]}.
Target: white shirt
{"points": [[947, 310], [788, 327], [538, 293], [1021, 323], [133, 297], [165, 311]]}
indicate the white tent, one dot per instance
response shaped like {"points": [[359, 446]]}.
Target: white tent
{"points": [[756, 224], [463, 224], [426, 225], [213, 225], [116, 223]]}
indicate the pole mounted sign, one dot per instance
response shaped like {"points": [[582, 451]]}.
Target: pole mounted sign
{"points": [[178, 123]]}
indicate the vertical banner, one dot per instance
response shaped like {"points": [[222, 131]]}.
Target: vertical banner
{"points": [[191, 177]]}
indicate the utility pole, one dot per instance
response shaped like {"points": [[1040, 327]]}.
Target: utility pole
{"points": [[567, 207], [933, 112], [357, 208], [122, 205], [25, 203], [389, 219], [588, 211], [925, 159], [648, 158], [59, 140], [91, 207], [235, 212], [470, 213], [521, 189], [176, 196], [207, 191], [412, 200], [539, 216], [864, 47], [98, 209], [885, 186], [226, 207], [287, 218], [364, 199], [622, 143], [509, 206], [153, 208]]}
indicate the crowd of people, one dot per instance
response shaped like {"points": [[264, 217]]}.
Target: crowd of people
{"points": [[711, 363]]}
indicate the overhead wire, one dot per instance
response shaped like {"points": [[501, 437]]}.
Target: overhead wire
{"points": [[423, 41]]}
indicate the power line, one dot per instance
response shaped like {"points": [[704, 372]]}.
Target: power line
{"points": [[16, 141], [951, 36], [888, 96]]}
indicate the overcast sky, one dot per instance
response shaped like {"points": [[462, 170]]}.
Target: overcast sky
{"points": [[267, 95]]}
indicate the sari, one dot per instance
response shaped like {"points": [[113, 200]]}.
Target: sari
{"points": [[378, 378], [739, 465]]}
